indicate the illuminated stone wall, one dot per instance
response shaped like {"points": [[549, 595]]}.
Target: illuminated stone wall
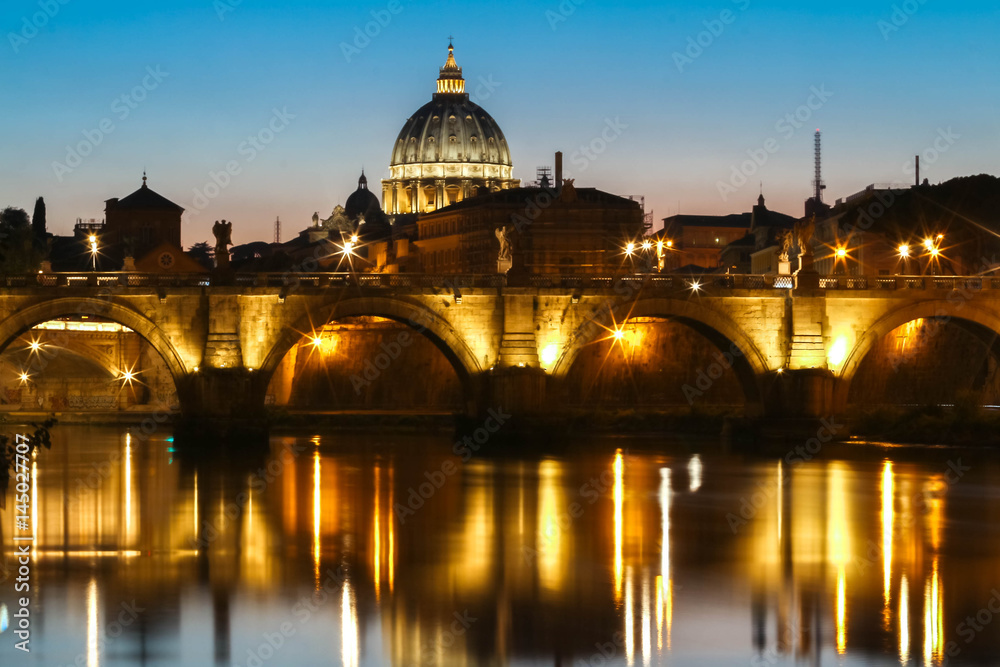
{"points": [[926, 362], [366, 364], [650, 366], [80, 371]]}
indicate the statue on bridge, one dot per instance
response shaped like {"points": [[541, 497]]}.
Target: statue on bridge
{"points": [[503, 235], [223, 232], [804, 229], [787, 239]]}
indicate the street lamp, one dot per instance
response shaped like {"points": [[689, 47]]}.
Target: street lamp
{"points": [[92, 239]]}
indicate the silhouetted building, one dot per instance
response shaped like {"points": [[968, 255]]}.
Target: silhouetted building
{"points": [[700, 240], [140, 222], [574, 231]]}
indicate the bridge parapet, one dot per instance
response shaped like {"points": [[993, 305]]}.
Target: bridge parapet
{"points": [[697, 282]]}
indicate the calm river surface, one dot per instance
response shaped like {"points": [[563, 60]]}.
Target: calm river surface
{"points": [[393, 550]]}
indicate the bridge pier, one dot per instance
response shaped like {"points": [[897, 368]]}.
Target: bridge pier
{"points": [[222, 403]]}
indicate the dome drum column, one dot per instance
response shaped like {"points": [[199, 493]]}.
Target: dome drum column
{"points": [[440, 201]]}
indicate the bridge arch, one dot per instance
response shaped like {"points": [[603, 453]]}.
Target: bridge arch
{"points": [[413, 314], [749, 364], [981, 322], [26, 318]]}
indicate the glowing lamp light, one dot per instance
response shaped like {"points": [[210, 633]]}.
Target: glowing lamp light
{"points": [[128, 376], [646, 245], [934, 252], [550, 354], [841, 252], [659, 245], [780, 371], [35, 346], [928, 243], [670, 244], [629, 249], [904, 250], [695, 285], [24, 377], [838, 352], [354, 239], [317, 341], [618, 334]]}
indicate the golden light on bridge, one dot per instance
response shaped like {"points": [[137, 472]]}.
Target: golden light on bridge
{"points": [[904, 250], [549, 355], [629, 249], [841, 252], [646, 245], [695, 285], [618, 334], [24, 377], [838, 352]]}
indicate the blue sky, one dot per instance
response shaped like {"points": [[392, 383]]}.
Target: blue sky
{"points": [[896, 79]]}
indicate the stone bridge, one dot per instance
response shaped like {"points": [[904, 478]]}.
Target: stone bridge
{"points": [[795, 347]]}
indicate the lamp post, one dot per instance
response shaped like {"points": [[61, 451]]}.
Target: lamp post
{"points": [[92, 239]]}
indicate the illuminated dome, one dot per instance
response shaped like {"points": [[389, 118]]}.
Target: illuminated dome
{"points": [[446, 150]]}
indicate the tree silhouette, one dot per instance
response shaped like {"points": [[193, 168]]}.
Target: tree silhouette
{"points": [[18, 252], [38, 223], [202, 253]]}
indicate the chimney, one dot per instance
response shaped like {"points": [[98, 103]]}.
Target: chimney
{"points": [[918, 171], [559, 172]]}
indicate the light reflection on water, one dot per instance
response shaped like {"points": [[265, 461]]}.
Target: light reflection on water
{"points": [[346, 550]]}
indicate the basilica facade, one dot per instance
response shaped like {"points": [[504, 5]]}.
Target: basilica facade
{"points": [[448, 151]]}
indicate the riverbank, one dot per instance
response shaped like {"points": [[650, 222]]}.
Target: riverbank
{"points": [[963, 424]]}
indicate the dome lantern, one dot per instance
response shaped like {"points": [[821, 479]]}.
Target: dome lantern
{"points": [[450, 81]]}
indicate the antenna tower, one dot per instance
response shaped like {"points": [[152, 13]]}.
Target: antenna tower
{"points": [[818, 183], [277, 230]]}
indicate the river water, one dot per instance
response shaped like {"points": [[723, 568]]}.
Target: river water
{"points": [[404, 550]]}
